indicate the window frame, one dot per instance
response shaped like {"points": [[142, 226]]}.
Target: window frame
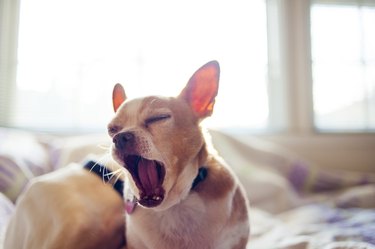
{"points": [[289, 59], [9, 16], [326, 149], [290, 62], [290, 50], [347, 130]]}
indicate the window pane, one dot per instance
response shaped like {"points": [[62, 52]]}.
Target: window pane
{"points": [[71, 53], [343, 67], [369, 34]]}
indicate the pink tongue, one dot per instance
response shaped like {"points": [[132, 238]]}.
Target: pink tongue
{"points": [[148, 174]]}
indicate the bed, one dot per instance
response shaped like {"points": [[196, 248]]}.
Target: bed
{"points": [[294, 204]]}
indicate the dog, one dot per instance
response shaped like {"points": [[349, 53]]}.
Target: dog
{"points": [[68, 208], [178, 193]]}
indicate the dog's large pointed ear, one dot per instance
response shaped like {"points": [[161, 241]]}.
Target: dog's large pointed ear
{"points": [[118, 96], [202, 88]]}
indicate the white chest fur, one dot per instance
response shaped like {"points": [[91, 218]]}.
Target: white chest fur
{"points": [[186, 224]]}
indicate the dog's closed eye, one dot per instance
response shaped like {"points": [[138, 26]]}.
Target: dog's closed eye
{"points": [[156, 118], [112, 130]]}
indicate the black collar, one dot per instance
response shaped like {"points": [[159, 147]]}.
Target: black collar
{"points": [[106, 175], [202, 174]]}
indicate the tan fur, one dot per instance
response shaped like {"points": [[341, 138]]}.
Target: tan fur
{"points": [[211, 216], [69, 208], [73, 208]]}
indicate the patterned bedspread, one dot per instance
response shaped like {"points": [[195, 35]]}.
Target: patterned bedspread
{"points": [[314, 226]]}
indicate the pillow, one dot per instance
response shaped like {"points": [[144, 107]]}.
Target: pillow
{"points": [[276, 179], [6, 209], [260, 170], [77, 149], [21, 158]]}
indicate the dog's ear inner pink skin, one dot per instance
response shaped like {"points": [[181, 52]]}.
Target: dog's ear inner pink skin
{"points": [[118, 96], [202, 88]]}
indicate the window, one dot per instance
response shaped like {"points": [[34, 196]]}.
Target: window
{"points": [[71, 53], [343, 54]]}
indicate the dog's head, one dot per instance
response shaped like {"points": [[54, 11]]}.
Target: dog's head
{"points": [[158, 139]]}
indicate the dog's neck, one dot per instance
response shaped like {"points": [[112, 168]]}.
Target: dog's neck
{"points": [[202, 174], [202, 171], [106, 175]]}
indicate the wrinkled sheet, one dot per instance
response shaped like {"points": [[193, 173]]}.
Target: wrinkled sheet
{"points": [[314, 226], [294, 204]]}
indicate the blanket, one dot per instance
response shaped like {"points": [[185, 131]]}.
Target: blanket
{"points": [[293, 203]]}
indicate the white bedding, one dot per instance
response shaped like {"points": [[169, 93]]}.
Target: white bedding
{"points": [[293, 203]]}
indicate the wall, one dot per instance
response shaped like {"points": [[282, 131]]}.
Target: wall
{"points": [[349, 151]]}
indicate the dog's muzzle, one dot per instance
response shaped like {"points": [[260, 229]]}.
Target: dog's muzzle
{"points": [[147, 174]]}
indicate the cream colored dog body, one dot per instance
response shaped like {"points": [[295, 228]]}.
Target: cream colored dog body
{"points": [[66, 209], [160, 143]]}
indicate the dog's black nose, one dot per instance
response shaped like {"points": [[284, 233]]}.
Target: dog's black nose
{"points": [[123, 138]]}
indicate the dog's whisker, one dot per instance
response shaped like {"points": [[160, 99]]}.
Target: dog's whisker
{"points": [[113, 173], [101, 168], [119, 173], [103, 160], [104, 146], [109, 168]]}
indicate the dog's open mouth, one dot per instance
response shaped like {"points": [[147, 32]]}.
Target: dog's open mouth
{"points": [[148, 176]]}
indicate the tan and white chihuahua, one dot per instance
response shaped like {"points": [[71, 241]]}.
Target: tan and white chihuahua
{"points": [[179, 194]]}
